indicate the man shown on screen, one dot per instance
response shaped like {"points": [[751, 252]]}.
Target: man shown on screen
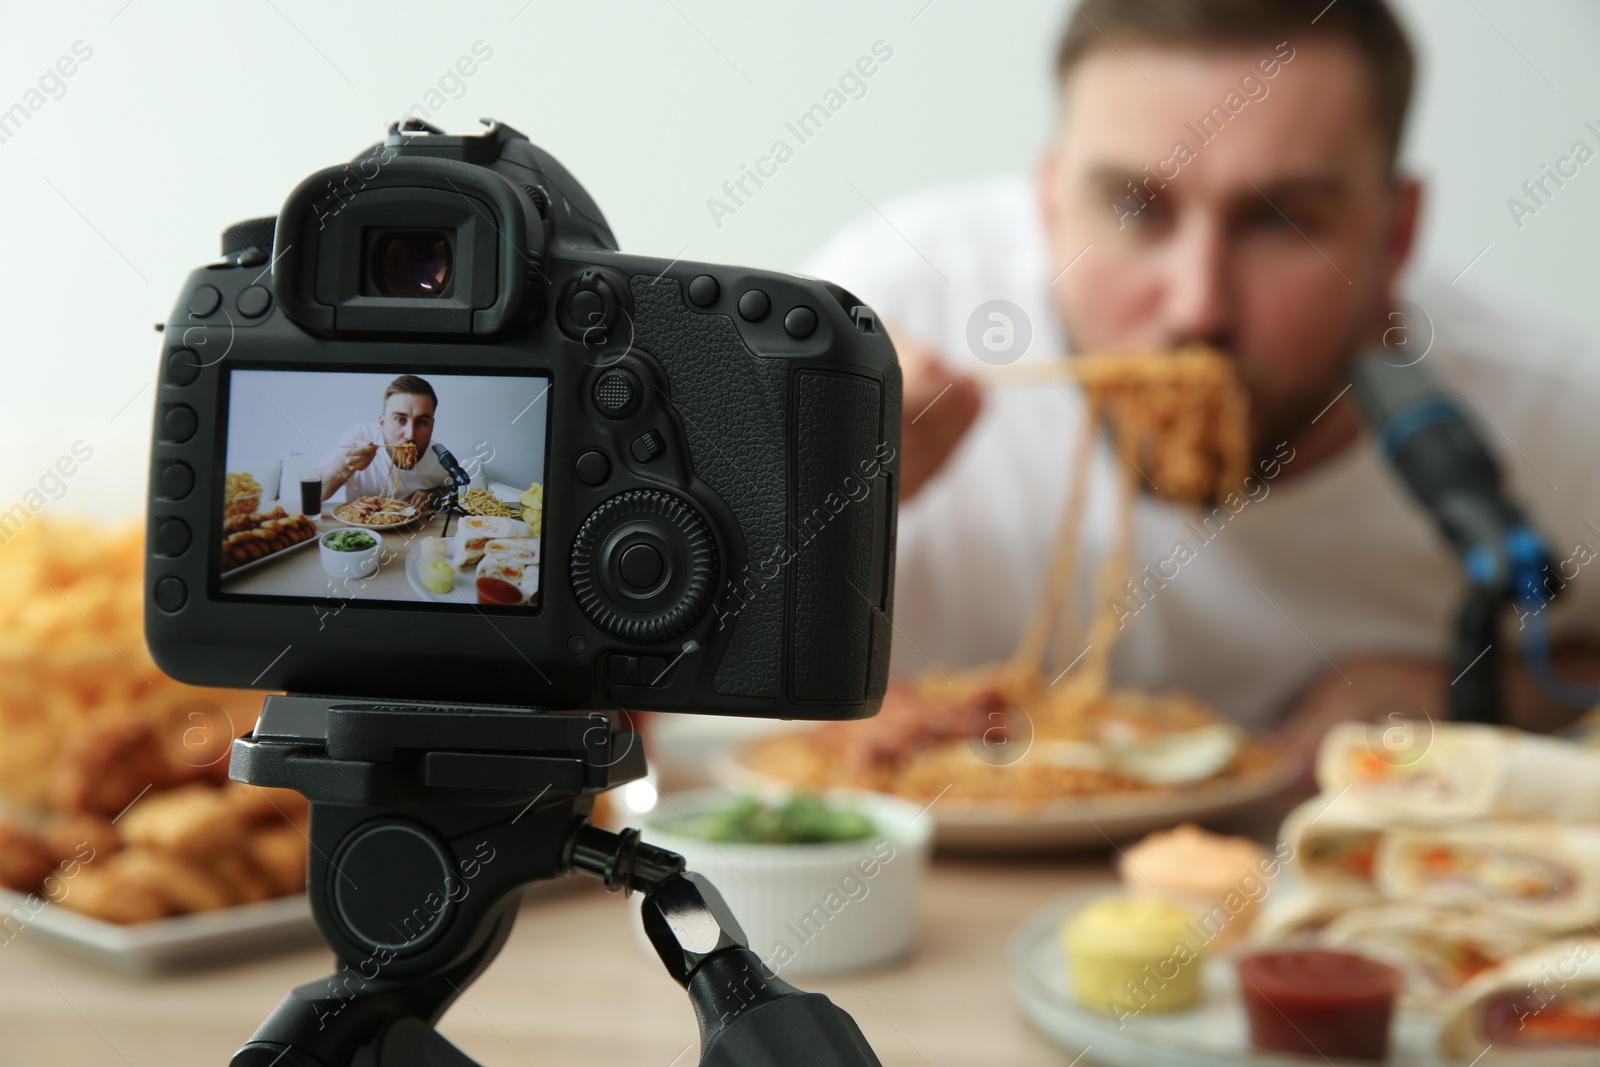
{"points": [[364, 459]]}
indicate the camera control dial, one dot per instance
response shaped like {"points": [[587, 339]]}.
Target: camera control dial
{"points": [[643, 566]]}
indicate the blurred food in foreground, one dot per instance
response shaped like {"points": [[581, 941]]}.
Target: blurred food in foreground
{"points": [[1467, 856], [115, 775]]}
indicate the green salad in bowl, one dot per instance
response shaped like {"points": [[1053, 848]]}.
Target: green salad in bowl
{"points": [[349, 541], [802, 819]]}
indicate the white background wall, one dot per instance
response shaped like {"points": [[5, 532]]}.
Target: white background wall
{"points": [[190, 115], [274, 413]]}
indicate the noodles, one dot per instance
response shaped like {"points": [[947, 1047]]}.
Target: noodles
{"points": [[404, 455], [1179, 425]]}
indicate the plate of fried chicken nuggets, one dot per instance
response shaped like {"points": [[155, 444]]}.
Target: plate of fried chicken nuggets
{"points": [[144, 859]]}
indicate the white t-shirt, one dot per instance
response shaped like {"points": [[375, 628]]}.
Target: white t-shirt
{"points": [[1337, 561], [374, 480]]}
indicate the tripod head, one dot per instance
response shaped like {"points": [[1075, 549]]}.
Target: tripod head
{"points": [[427, 821]]}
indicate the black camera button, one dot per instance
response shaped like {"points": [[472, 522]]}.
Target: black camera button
{"points": [[647, 446], [204, 300], [587, 307], [617, 393], [171, 594], [183, 367], [641, 566], [173, 537], [179, 423], [703, 291], [800, 323], [593, 467], [754, 305], [254, 301], [175, 481]]}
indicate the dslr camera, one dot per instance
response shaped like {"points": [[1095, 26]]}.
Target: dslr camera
{"points": [[429, 436]]}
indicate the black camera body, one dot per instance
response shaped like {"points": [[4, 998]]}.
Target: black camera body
{"points": [[717, 449]]}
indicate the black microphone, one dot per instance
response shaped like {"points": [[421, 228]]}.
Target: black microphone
{"points": [[1452, 473], [451, 467]]}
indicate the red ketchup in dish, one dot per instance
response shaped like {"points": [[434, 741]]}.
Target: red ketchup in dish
{"points": [[1318, 1003], [498, 591]]}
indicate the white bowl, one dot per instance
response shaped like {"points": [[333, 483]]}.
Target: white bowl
{"points": [[815, 909], [363, 564]]}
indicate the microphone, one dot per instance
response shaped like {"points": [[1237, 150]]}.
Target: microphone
{"points": [[1453, 475], [452, 467]]}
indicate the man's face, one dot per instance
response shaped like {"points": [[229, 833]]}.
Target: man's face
{"points": [[408, 417], [1278, 240]]}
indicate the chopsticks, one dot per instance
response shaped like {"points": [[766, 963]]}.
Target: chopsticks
{"points": [[1032, 372]]}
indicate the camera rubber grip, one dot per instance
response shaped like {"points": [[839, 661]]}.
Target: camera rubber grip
{"points": [[838, 423], [734, 407]]}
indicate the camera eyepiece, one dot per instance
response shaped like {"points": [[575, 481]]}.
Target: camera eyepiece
{"points": [[412, 263]]}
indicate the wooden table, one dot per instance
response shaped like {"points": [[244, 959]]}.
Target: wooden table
{"points": [[572, 987]]}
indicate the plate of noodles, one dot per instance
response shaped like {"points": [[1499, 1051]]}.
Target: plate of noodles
{"points": [[1076, 771], [378, 513], [1018, 755]]}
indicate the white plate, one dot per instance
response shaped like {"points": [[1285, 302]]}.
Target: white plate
{"points": [[1214, 1033], [141, 948], [463, 593], [1081, 822], [420, 516]]}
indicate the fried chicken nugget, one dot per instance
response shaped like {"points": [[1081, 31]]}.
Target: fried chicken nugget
{"points": [[100, 893], [183, 886], [244, 881], [77, 836], [103, 768], [192, 820], [280, 853], [25, 860]]}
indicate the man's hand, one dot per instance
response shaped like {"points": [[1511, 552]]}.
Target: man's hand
{"points": [[939, 405], [355, 456], [1374, 687], [421, 499]]}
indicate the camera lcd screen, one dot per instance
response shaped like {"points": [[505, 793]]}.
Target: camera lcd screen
{"points": [[398, 487]]}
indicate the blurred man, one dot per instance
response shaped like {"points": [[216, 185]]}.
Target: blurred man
{"points": [[1224, 172]]}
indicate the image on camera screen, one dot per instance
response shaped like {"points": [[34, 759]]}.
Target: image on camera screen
{"points": [[400, 487]]}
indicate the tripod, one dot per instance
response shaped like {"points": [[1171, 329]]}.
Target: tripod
{"points": [[427, 821]]}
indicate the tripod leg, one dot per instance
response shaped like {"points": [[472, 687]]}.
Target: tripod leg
{"points": [[332, 1022]]}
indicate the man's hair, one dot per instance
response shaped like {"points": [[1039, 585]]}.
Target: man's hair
{"points": [[410, 383], [1367, 25]]}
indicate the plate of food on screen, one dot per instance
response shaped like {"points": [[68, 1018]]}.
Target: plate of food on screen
{"points": [[490, 560], [1024, 754]]}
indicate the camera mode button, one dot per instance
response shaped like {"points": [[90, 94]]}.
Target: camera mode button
{"points": [[171, 593], [593, 467], [254, 302], [179, 423], [183, 367], [703, 291], [754, 305], [175, 481], [204, 300], [800, 323], [173, 537]]}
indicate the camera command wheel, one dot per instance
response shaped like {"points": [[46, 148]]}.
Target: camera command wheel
{"points": [[427, 822]]}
